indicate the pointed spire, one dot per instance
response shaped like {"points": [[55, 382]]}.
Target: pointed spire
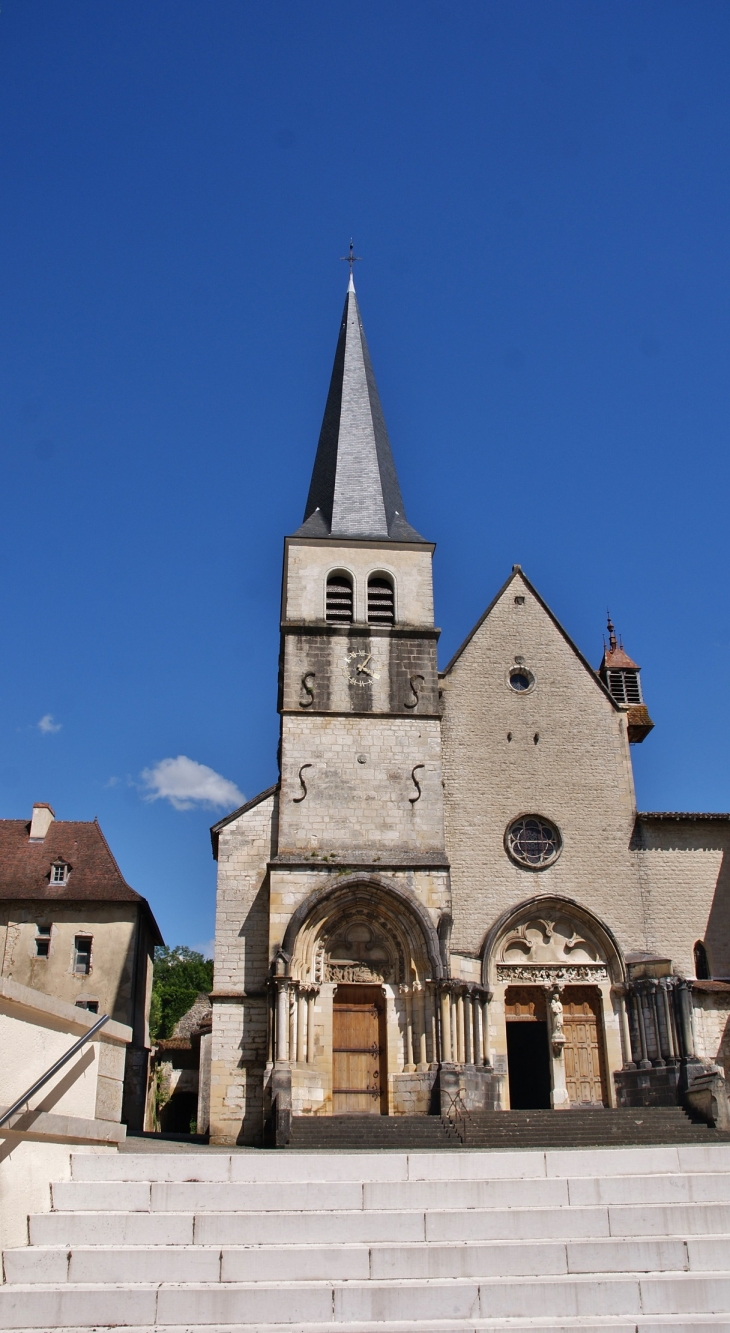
{"points": [[354, 490]]}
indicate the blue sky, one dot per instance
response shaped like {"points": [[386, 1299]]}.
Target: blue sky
{"points": [[541, 195]]}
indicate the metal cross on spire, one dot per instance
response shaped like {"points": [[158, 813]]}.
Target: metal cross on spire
{"points": [[352, 258]]}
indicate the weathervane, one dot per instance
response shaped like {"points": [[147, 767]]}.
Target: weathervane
{"points": [[352, 258]]}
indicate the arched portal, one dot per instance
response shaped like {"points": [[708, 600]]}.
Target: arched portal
{"points": [[557, 975], [362, 960]]}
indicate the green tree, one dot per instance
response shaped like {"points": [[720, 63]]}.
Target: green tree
{"points": [[179, 975]]}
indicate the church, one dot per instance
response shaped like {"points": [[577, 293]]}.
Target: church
{"points": [[449, 899]]}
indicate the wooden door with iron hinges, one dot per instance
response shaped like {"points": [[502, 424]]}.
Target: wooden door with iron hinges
{"points": [[358, 1075], [583, 1053]]}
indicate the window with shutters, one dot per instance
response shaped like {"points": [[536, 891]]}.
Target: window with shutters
{"points": [[625, 687], [381, 600], [338, 609]]}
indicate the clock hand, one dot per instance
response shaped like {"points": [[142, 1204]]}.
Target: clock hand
{"points": [[363, 666]]}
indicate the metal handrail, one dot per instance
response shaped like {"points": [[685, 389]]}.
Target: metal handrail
{"points": [[39, 1083]]}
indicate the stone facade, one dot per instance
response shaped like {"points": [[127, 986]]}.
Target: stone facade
{"points": [[464, 848]]}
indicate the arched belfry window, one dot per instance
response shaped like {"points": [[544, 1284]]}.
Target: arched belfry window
{"points": [[338, 608], [381, 600], [702, 963]]}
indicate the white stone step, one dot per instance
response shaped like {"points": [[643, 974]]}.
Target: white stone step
{"points": [[195, 1305], [701, 1323], [373, 1226], [465, 1164], [320, 1262], [227, 1196]]}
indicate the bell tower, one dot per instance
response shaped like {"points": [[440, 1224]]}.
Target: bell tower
{"points": [[360, 724]]}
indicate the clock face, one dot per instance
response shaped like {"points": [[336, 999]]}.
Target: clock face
{"points": [[360, 668]]}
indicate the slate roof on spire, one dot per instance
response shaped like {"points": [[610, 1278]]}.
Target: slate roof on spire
{"points": [[354, 490]]}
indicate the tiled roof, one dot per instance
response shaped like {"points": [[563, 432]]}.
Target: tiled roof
{"points": [[93, 876], [615, 659], [681, 814]]}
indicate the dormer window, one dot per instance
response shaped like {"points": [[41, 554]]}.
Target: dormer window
{"points": [[338, 608], [624, 686], [59, 872], [381, 600]]}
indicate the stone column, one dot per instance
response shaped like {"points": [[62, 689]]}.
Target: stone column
{"points": [[659, 1062], [409, 1064], [432, 1011], [486, 1034], [421, 1045], [454, 1003], [282, 1018], [628, 1061], [445, 1026], [468, 1029], [293, 988], [684, 990], [460, 1028], [645, 1062], [311, 997], [301, 1026], [667, 1011], [477, 1034]]}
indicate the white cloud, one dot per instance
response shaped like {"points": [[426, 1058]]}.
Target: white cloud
{"points": [[47, 726], [184, 783]]}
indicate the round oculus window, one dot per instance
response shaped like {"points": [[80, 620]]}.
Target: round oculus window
{"points": [[520, 679], [533, 842]]}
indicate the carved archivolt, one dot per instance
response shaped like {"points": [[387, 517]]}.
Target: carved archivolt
{"points": [[551, 941], [360, 936]]}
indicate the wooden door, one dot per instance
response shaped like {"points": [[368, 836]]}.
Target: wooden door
{"points": [[356, 1053], [583, 1053]]}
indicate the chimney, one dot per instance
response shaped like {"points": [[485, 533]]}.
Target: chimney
{"points": [[43, 817]]}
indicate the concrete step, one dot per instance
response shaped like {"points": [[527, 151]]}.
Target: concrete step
{"points": [[194, 1305], [324, 1262]]}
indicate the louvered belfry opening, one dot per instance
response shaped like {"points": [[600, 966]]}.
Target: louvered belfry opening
{"points": [[625, 687], [381, 601], [338, 609]]}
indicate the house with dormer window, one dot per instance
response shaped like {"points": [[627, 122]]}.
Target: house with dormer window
{"points": [[71, 927]]}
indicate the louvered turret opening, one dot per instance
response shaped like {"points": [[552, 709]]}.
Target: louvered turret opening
{"points": [[381, 601], [625, 687], [339, 599]]}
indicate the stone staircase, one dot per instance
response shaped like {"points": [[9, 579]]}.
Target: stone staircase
{"points": [[625, 1239], [506, 1130]]}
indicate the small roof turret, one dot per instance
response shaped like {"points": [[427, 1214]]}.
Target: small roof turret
{"points": [[621, 676], [354, 490], [614, 657]]}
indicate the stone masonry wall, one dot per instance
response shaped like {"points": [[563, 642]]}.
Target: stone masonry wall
{"points": [[238, 1054], [685, 874], [307, 564], [359, 785], [559, 750]]}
